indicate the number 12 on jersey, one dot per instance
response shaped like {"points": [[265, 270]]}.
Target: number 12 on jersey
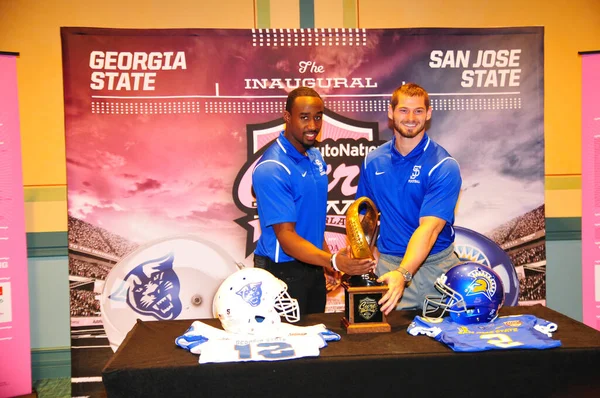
{"points": [[274, 350]]}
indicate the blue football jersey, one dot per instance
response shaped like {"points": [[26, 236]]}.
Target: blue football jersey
{"points": [[504, 333]]}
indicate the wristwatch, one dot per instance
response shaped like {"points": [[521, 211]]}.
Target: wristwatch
{"points": [[407, 275]]}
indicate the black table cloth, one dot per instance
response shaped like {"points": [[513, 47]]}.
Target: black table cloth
{"points": [[149, 364]]}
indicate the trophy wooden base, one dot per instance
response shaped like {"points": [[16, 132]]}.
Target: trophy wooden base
{"points": [[362, 313]]}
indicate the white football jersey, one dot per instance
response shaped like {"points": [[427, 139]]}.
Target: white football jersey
{"points": [[284, 342]]}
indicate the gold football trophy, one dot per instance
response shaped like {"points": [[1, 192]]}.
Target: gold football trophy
{"points": [[363, 292]]}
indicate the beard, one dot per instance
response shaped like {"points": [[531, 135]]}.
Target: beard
{"points": [[407, 132]]}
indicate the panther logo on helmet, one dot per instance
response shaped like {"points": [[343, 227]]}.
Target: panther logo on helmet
{"points": [[251, 293]]}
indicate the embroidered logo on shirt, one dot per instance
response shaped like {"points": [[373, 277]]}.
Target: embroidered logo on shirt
{"points": [[304, 174], [378, 173], [414, 175], [321, 168]]}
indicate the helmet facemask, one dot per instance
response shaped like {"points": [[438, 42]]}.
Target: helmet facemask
{"points": [[450, 301], [287, 307]]}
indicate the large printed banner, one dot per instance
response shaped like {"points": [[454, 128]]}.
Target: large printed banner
{"points": [[163, 128], [15, 351], [590, 188]]}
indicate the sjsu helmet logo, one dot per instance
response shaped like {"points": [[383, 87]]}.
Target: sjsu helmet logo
{"points": [[251, 293], [483, 283]]}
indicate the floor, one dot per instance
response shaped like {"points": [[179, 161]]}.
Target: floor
{"points": [[53, 388]]}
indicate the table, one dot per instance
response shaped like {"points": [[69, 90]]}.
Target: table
{"points": [[149, 364]]}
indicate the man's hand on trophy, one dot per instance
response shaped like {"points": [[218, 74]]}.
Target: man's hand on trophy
{"points": [[345, 251], [396, 284], [353, 266], [332, 279]]}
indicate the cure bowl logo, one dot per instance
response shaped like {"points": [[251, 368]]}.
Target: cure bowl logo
{"points": [[343, 143], [367, 307]]}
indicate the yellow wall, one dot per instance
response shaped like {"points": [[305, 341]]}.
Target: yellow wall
{"points": [[32, 28], [570, 27]]}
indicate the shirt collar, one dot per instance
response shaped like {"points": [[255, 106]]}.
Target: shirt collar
{"points": [[415, 153], [289, 149]]}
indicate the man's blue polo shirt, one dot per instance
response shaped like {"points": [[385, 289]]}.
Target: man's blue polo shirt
{"points": [[426, 182], [290, 187]]}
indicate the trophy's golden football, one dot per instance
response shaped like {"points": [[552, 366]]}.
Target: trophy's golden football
{"points": [[363, 292], [361, 233]]}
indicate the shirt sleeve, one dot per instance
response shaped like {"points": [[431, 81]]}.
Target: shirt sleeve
{"points": [[272, 186], [443, 190]]}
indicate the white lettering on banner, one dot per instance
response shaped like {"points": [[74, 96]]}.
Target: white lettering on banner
{"points": [[112, 60], [491, 68], [309, 67], [452, 59], [292, 83], [123, 81], [335, 151], [497, 59], [491, 78], [103, 62]]}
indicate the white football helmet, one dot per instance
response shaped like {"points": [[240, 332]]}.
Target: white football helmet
{"points": [[252, 300]]}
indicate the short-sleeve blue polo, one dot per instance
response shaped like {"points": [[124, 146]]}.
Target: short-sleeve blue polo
{"points": [[426, 182], [290, 187]]}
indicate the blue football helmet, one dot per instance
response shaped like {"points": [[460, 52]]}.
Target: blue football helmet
{"points": [[471, 293]]}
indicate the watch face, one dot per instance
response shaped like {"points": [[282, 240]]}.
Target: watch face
{"points": [[407, 275]]}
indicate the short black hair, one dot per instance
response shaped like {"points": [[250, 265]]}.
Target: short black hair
{"points": [[299, 92]]}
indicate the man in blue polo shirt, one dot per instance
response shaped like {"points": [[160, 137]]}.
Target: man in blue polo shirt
{"points": [[415, 184], [290, 183]]}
